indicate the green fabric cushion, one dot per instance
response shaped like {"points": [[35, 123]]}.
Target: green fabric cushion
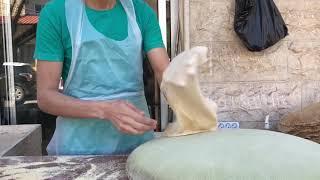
{"points": [[227, 155]]}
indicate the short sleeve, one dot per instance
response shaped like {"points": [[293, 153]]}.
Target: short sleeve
{"points": [[151, 32], [49, 46]]}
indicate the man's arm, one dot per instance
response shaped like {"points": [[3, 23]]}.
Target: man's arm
{"points": [[52, 101], [159, 61], [123, 115]]}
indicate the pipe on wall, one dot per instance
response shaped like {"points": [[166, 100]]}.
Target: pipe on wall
{"points": [[180, 37], [186, 24]]}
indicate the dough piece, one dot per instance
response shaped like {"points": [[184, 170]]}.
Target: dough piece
{"points": [[180, 85]]}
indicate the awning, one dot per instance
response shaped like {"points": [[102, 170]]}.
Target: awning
{"points": [[24, 20]]}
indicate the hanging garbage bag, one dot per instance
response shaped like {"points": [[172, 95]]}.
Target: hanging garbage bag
{"points": [[259, 24]]}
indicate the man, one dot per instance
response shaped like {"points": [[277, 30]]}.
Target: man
{"points": [[96, 46]]}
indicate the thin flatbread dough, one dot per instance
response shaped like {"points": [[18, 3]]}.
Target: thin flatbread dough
{"points": [[180, 85]]}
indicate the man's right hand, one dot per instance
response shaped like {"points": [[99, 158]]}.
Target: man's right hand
{"points": [[126, 117]]}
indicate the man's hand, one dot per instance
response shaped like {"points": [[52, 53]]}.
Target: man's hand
{"points": [[127, 118]]}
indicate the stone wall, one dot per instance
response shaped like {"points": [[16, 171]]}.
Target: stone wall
{"points": [[248, 86]]}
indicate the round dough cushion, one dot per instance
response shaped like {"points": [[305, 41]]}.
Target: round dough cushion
{"points": [[226, 155]]}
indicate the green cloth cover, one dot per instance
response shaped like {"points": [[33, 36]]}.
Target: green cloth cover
{"points": [[227, 155]]}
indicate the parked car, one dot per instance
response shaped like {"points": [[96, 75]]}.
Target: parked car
{"points": [[24, 81]]}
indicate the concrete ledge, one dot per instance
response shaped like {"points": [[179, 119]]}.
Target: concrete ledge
{"points": [[20, 140]]}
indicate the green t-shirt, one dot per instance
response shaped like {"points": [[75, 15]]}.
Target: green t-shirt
{"points": [[53, 41]]}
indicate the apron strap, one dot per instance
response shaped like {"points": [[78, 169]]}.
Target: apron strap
{"points": [[131, 14], [74, 14]]}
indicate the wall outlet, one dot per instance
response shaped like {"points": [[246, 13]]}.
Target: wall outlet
{"points": [[229, 125]]}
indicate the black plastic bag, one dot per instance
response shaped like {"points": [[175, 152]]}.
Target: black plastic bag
{"points": [[259, 24]]}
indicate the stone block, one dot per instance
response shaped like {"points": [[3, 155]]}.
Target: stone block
{"points": [[253, 101], [258, 125], [303, 25], [212, 21], [298, 5], [312, 5], [230, 62], [310, 93], [20, 140], [304, 60]]}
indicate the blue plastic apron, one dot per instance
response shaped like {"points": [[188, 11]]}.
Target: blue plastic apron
{"points": [[101, 69]]}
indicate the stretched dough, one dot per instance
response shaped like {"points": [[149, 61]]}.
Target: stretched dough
{"points": [[180, 85]]}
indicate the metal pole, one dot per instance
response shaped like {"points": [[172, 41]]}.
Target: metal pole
{"points": [[162, 12], [10, 102], [186, 24]]}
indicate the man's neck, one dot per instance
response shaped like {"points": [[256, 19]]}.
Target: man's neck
{"points": [[101, 4]]}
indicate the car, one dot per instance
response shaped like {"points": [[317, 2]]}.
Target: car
{"points": [[24, 82]]}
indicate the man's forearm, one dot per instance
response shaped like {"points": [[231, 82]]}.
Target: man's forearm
{"points": [[159, 61], [54, 102], [158, 76], [58, 104]]}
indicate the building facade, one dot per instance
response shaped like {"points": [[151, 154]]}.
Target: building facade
{"points": [[249, 86]]}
